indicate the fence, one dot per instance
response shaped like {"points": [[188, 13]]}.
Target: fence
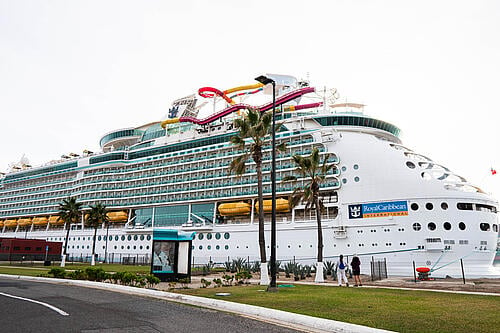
{"points": [[378, 269]]}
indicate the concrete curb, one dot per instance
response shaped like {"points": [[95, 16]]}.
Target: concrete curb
{"points": [[283, 318]]}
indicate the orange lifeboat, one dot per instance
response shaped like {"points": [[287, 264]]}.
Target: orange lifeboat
{"points": [[234, 208], [10, 223], [118, 216], [24, 222], [282, 206], [1, 224], [40, 220], [54, 220]]}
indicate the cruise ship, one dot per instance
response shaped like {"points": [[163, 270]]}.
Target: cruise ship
{"points": [[383, 201]]}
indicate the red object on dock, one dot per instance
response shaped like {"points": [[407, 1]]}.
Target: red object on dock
{"points": [[423, 269]]}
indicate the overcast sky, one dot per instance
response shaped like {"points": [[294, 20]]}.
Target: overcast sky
{"points": [[71, 71]]}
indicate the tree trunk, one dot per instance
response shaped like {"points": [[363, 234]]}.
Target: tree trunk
{"points": [[92, 262], [65, 250], [262, 240], [320, 230]]}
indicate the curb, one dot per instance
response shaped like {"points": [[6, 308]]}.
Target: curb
{"points": [[283, 318]]}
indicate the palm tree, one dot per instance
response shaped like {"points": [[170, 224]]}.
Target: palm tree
{"points": [[69, 212], [313, 170], [256, 126], [97, 216]]}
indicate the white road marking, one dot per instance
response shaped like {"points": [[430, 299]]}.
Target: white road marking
{"points": [[61, 312]]}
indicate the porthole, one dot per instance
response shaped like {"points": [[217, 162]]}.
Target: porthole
{"points": [[226, 247], [217, 235], [142, 237], [431, 226], [147, 247], [123, 237], [209, 247], [429, 206], [410, 165], [226, 235], [99, 238], [495, 227], [209, 236], [444, 206], [128, 247], [344, 169], [484, 226], [140, 247], [135, 247], [116, 238], [116, 247], [355, 167], [129, 237], [135, 237], [149, 237], [447, 226], [217, 247], [414, 206], [344, 180], [123, 247], [356, 179], [200, 236], [200, 247], [461, 226]]}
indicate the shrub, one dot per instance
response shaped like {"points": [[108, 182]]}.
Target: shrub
{"points": [[228, 280], [205, 283], [96, 274], [77, 275], [152, 280], [218, 282], [57, 272], [242, 277]]}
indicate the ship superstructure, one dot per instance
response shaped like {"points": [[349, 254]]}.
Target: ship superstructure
{"points": [[382, 200]]}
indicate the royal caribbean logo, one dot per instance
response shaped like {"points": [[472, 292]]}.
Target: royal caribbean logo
{"points": [[378, 209]]}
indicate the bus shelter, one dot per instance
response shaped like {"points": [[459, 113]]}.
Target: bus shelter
{"points": [[171, 254]]}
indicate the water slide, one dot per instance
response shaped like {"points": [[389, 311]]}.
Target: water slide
{"points": [[233, 108], [209, 92]]}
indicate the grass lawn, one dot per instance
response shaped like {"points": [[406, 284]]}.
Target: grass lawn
{"points": [[397, 310], [36, 270]]}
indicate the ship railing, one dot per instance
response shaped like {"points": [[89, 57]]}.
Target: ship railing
{"points": [[198, 221]]}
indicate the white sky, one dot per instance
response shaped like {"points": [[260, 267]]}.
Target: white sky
{"points": [[71, 71]]}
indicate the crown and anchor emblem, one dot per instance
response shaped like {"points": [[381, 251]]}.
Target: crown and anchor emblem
{"points": [[355, 211]]}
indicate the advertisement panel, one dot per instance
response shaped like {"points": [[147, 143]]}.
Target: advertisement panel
{"points": [[378, 209]]}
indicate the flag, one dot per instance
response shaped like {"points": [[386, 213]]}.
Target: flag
{"points": [[493, 172]]}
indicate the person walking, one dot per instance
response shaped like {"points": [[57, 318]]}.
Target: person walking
{"points": [[341, 268], [356, 270]]}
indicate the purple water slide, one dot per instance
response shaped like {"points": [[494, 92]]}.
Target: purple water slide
{"points": [[233, 108]]}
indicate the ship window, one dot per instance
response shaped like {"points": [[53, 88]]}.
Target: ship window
{"points": [[99, 238], [355, 167], [495, 227], [129, 237], [356, 179], [484, 226], [344, 181], [444, 206], [447, 226], [217, 235], [200, 236], [209, 236], [226, 247], [226, 235], [464, 206], [209, 247], [123, 237], [414, 206], [135, 237], [142, 237], [217, 247], [429, 206], [344, 168], [461, 226], [431, 226], [149, 238], [410, 165]]}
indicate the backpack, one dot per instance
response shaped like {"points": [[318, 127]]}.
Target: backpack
{"points": [[341, 265]]}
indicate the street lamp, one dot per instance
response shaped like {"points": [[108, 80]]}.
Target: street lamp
{"points": [[272, 286]]}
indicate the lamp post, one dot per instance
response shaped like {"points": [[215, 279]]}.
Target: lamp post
{"points": [[272, 286]]}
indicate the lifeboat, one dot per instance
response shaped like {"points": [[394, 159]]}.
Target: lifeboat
{"points": [[54, 220], [10, 223], [24, 222], [118, 217], [1, 224], [40, 220], [234, 208], [282, 205]]}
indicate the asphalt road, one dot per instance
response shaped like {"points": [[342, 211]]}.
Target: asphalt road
{"points": [[93, 310]]}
